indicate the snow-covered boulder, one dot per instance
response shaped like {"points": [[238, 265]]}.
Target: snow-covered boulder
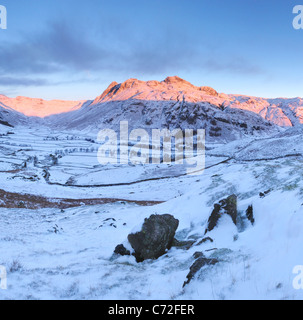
{"points": [[225, 206], [156, 236]]}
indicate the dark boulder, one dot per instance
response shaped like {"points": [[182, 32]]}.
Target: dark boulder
{"points": [[250, 214], [225, 206], [156, 236], [264, 194], [121, 250]]}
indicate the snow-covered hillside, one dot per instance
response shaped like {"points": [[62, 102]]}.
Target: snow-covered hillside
{"points": [[32, 107], [62, 213], [9, 117], [171, 102], [149, 99], [52, 253]]}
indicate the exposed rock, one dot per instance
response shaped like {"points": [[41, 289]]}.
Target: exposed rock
{"points": [[121, 250], [156, 236], [21, 204], [214, 217], [148, 121], [183, 244], [250, 214], [111, 88], [210, 91], [264, 194], [200, 262], [225, 206], [177, 80], [205, 240], [198, 254], [46, 175], [5, 123]]}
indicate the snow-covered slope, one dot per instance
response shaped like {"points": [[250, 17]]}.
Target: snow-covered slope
{"points": [[51, 253], [171, 93], [9, 118], [280, 111], [32, 107], [222, 125], [63, 213], [283, 112], [172, 103]]}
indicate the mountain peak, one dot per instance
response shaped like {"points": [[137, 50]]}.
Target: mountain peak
{"points": [[169, 89], [177, 80]]}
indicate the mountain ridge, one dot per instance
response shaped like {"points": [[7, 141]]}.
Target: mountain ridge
{"points": [[36, 107], [283, 112]]}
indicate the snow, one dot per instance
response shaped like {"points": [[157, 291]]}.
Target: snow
{"points": [[50, 254], [33, 107]]}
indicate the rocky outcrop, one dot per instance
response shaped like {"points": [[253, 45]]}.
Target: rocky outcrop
{"points": [[156, 236], [199, 263], [208, 90], [121, 250], [264, 194], [175, 80], [250, 214], [110, 91], [204, 240], [186, 245], [171, 89], [225, 206]]}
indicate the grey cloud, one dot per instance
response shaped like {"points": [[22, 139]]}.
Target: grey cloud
{"points": [[236, 65], [24, 82], [17, 81], [57, 50], [117, 48]]}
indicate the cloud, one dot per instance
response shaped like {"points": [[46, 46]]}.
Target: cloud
{"points": [[112, 47], [22, 82], [59, 49], [236, 65]]}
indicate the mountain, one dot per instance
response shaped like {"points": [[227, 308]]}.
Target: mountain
{"points": [[33, 107], [240, 219], [280, 111], [171, 89], [10, 117], [171, 103]]}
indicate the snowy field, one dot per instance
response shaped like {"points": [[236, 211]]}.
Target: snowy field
{"points": [[51, 253]]}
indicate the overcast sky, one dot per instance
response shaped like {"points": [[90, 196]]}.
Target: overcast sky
{"points": [[73, 49]]}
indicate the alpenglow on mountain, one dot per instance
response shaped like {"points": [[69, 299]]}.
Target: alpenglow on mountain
{"points": [[171, 103]]}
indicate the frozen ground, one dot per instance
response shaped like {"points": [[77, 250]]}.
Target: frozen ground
{"points": [[68, 254]]}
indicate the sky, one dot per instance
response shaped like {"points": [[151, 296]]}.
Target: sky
{"points": [[74, 49]]}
